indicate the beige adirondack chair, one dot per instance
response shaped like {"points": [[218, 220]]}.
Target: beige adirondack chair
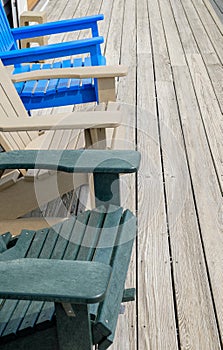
{"points": [[19, 131]]}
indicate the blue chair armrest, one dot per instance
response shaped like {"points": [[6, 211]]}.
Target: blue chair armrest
{"points": [[52, 51], [54, 280], [58, 27]]}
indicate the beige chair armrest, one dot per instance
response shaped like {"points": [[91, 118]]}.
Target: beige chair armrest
{"points": [[73, 120], [78, 73]]}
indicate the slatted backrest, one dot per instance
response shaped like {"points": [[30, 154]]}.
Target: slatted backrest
{"points": [[7, 41], [11, 107]]}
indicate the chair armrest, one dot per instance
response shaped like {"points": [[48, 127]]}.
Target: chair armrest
{"points": [[78, 73], [78, 161], [56, 27], [51, 51], [63, 281], [73, 120]]}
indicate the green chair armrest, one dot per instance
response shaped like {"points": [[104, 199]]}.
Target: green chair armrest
{"points": [[63, 281], [82, 161]]}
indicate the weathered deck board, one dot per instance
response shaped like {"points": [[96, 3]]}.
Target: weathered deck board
{"points": [[189, 272], [192, 44], [123, 50], [155, 297], [215, 11], [173, 95], [203, 179], [212, 30], [183, 227], [211, 113]]}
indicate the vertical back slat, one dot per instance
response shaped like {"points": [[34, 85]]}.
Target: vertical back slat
{"points": [[7, 41], [7, 142], [120, 263], [106, 243], [11, 93], [7, 110], [11, 107], [18, 251]]}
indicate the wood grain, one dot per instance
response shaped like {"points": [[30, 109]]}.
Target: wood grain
{"points": [[211, 113], [155, 304], [31, 4], [79, 73], [207, 200], [121, 47]]}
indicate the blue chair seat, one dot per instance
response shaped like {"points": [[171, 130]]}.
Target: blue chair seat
{"points": [[55, 92]]}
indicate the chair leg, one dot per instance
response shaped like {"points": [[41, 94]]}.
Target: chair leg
{"points": [[95, 138], [74, 332]]}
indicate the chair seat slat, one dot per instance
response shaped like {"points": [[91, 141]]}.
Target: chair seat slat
{"points": [[64, 84], [41, 85], [51, 88], [21, 69], [86, 83], [75, 83], [29, 87]]}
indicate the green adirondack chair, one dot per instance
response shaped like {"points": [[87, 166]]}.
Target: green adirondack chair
{"points": [[62, 287]]}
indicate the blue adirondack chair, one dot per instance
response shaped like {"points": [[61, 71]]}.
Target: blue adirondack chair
{"points": [[54, 92]]}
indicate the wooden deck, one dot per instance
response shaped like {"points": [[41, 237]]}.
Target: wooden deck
{"points": [[174, 97], [218, 8]]}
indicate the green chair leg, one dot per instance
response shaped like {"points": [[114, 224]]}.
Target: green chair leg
{"points": [[78, 321]]}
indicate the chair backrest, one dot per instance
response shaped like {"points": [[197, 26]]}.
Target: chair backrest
{"points": [[7, 41], [11, 107]]}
